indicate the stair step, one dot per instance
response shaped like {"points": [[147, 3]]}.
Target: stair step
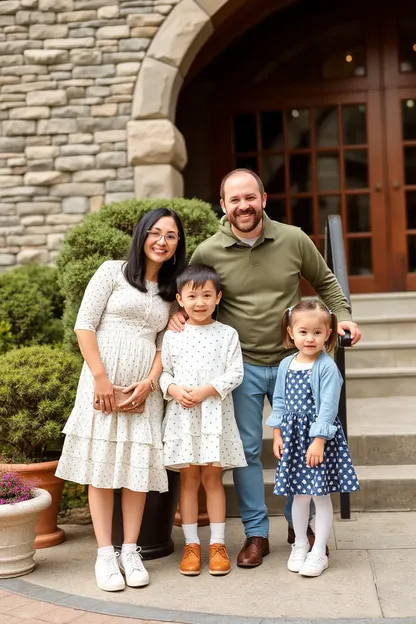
{"points": [[381, 382], [381, 353], [383, 488], [394, 327], [383, 304]]}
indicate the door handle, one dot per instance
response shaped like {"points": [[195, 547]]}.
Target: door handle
{"points": [[396, 185], [378, 187]]}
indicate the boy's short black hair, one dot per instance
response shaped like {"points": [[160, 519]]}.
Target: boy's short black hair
{"points": [[198, 274]]}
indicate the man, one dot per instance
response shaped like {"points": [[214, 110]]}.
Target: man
{"points": [[260, 263]]}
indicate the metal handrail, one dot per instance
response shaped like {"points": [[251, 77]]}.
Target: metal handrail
{"points": [[336, 260]]}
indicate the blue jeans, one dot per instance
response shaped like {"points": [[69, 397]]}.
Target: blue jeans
{"points": [[258, 382]]}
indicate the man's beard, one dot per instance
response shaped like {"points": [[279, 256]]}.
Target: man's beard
{"points": [[245, 227]]}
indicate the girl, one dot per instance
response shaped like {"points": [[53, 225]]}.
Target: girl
{"points": [[308, 438], [201, 366], [113, 437]]}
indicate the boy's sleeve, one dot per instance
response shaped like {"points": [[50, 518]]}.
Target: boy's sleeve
{"points": [[234, 370], [167, 377], [330, 390], [276, 417]]}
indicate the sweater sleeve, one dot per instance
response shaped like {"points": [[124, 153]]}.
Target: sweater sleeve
{"points": [[234, 370], [96, 296], [315, 270], [330, 385], [276, 417]]}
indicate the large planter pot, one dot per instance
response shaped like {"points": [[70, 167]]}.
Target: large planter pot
{"points": [[43, 476], [155, 537], [17, 534]]}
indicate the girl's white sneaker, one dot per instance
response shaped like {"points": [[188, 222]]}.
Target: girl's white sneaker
{"points": [[131, 564], [297, 557], [314, 565], [107, 573]]}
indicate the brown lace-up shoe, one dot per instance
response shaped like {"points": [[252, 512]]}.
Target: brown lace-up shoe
{"points": [[252, 553], [310, 535], [191, 560], [219, 562]]}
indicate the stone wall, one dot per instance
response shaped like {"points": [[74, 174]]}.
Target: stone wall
{"points": [[68, 70]]}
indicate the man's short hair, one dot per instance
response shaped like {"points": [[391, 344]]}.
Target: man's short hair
{"points": [[250, 172]]}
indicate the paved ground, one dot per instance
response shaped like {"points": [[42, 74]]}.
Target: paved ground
{"points": [[371, 577]]}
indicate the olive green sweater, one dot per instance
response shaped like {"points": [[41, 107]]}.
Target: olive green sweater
{"points": [[260, 282]]}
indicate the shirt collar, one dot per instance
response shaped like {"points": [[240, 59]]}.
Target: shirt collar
{"points": [[229, 239]]}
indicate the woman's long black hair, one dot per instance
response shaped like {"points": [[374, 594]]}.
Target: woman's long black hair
{"points": [[135, 267]]}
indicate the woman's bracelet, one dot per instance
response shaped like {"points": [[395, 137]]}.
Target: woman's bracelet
{"points": [[153, 385]]}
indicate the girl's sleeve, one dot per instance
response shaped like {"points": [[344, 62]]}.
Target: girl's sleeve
{"points": [[276, 417], [96, 295], [330, 385], [234, 370], [167, 376]]}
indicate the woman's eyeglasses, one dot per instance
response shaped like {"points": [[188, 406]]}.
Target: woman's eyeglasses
{"points": [[170, 237]]}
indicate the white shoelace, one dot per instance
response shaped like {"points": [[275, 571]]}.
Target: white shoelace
{"points": [[315, 559], [134, 560], [111, 565]]}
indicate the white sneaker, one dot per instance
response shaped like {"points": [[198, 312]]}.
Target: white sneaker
{"points": [[314, 565], [297, 557], [132, 566], [107, 573]]}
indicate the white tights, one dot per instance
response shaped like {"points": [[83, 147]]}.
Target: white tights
{"points": [[323, 520]]}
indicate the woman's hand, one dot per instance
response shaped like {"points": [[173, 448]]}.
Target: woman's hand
{"points": [[315, 453], [177, 322], [104, 394], [277, 444], [141, 389], [181, 395]]}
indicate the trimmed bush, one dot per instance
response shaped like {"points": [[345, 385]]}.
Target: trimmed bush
{"points": [[37, 392], [106, 235]]}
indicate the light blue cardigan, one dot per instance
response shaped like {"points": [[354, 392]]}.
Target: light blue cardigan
{"points": [[326, 384]]}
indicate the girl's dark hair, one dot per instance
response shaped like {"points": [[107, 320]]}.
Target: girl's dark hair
{"points": [[135, 266], [198, 275], [305, 306]]}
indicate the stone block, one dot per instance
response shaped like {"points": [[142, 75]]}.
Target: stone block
{"points": [[79, 149], [40, 152], [68, 190], [57, 126], [134, 45], [111, 136], [70, 112], [145, 19], [70, 42], [158, 181], [45, 178], [96, 203], [33, 240], [7, 181], [29, 4], [111, 159], [46, 57], [9, 7], [108, 12], [97, 124], [144, 32], [117, 197], [26, 256], [156, 91], [86, 57], [57, 32], [15, 146], [155, 141], [80, 137], [94, 71], [104, 110], [64, 219], [22, 70], [95, 175], [77, 205], [47, 98], [74, 163], [56, 5], [212, 6], [32, 220], [30, 112], [37, 208], [113, 32], [7, 60], [76, 16], [181, 35], [54, 241], [7, 259], [128, 69], [120, 186], [18, 128], [21, 191]]}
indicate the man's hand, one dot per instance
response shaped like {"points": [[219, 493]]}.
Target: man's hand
{"points": [[177, 322], [315, 453], [351, 327], [182, 395]]}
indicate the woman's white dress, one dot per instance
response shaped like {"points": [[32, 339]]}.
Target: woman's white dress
{"points": [[118, 450], [208, 432]]}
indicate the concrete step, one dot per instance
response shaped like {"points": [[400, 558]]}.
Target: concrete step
{"points": [[383, 488], [381, 382], [398, 327], [383, 304], [380, 354], [380, 432]]}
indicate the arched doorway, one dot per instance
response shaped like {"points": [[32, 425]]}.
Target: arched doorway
{"points": [[321, 102]]}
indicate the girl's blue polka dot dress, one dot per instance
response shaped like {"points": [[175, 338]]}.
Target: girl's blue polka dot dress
{"points": [[293, 476]]}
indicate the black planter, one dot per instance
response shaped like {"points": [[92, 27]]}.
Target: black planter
{"points": [[155, 536]]}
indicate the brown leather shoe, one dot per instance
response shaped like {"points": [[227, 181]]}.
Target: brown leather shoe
{"points": [[310, 535], [191, 560], [252, 553], [219, 562]]}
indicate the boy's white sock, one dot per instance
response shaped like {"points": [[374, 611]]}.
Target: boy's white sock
{"points": [[128, 547], [104, 551], [190, 532], [217, 533]]}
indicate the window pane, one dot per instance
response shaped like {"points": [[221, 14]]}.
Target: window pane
{"points": [[360, 256], [274, 174], [245, 132], [407, 39], [272, 130], [411, 210], [358, 213], [247, 162], [410, 165], [327, 206], [328, 171], [302, 214], [276, 209], [347, 63], [356, 169], [300, 173], [409, 119], [411, 250], [298, 128], [326, 126], [354, 124]]}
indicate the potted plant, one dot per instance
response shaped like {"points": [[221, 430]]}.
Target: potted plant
{"points": [[20, 504], [37, 391]]}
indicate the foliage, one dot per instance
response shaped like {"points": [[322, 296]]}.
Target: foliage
{"points": [[106, 235], [31, 307], [73, 497], [37, 391], [13, 489]]}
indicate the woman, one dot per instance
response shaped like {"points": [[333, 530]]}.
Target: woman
{"points": [[125, 307]]}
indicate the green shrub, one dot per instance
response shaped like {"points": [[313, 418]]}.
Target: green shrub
{"points": [[37, 391], [31, 305], [106, 235]]}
